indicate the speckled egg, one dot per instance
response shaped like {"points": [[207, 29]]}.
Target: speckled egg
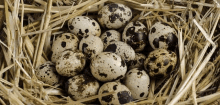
{"points": [[160, 63], [70, 2], [108, 66], [47, 73], [122, 94], [83, 25], [110, 36], [70, 63], [161, 35], [91, 45], [135, 34], [138, 82], [63, 42], [138, 61], [122, 49], [82, 86], [114, 15]]}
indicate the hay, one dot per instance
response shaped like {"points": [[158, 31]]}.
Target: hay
{"points": [[195, 80]]}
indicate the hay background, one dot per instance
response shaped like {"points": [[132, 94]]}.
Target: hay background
{"points": [[20, 54]]}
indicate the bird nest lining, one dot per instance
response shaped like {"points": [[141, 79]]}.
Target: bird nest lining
{"points": [[25, 44]]}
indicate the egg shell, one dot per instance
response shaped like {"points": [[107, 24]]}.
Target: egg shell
{"points": [[110, 36], [122, 94], [108, 66], [82, 86], [91, 45], [63, 42], [122, 49], [138, 61], [138, 82], [162, 35], [70, 63], [160, 63], [47, 73], [135, 34], [114, 15], [83, 25]]}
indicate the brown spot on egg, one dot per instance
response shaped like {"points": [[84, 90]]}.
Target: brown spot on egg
{"points": [[66, 56], [111, 48], [129, 13], [63, 44], [152, 59], [67, 36], [115, 87], [139, 73], [108, 34], [156, 42], [153, 30], [87, 31], [84, 46], [121, 8], [80, 32], [142, 94], [166, 62], [158, 65], [136, 23], [103, 75], [156, 70], [113, 17], [71, 27], [124, 97], [112, 7], [41, 67], [105, 40], [93, 23], [123, 64]]}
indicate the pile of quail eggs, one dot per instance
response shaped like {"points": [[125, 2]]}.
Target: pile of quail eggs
{"points": [[117, 62]]}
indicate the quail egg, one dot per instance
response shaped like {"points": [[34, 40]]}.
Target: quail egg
{"points": [[138, 61], [114, 15], [70, 63], [108, 66], [160, 62], [135, 34], [91, 45], [109, 36], [122, 49], [83, 25], [138, 82], [82, 86], [162, 35], [47, 73], [63, 42], [122, 94]]}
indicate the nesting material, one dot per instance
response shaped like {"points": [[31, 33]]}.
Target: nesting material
{"points": [[195, 79]]}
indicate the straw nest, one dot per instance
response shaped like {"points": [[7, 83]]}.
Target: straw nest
{"points": [[24, 45]]}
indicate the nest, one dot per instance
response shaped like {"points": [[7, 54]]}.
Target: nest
{"points": [[25, 44]]}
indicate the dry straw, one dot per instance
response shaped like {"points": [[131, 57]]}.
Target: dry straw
{"points": [[195, 80]]}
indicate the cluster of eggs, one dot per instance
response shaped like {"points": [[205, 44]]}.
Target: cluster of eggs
{"points": [[115, 59]]}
